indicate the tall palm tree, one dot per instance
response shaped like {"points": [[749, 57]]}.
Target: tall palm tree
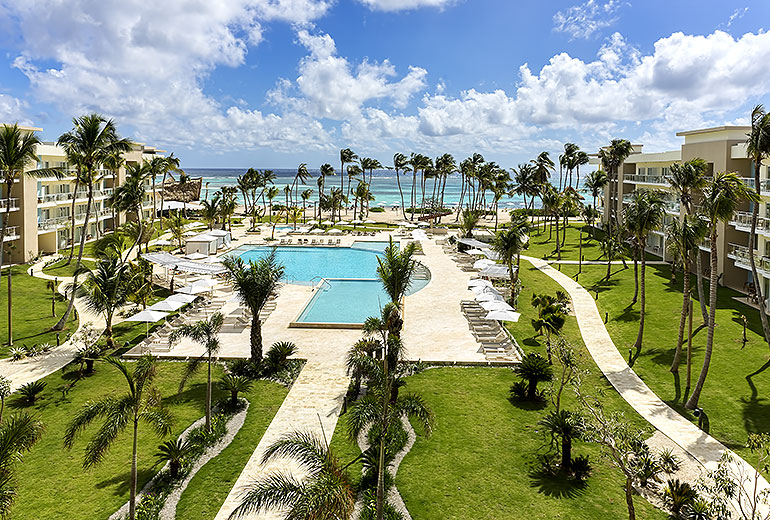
{"points": [[346, 157], [324, 492], [354, 171], [129, 197], [141, 404], [684, 239], [300, 177], [114, 162], [105, 291], [579, 159], [643, 215], [395, 269], [89, 144], [18, 434], [205, 332], [552, 202], [305, 196], [758, 148], [721, 198], [255, 283], [595, 182], [612, 157], [272, 193], [326, 171], [161, 166], [688, 180], [524, 182], [17, 150], [509, 243], [401, 164]]}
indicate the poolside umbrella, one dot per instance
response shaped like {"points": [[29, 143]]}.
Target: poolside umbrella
{"points": [[192, 289], [167, 306], [190, 233], [334, 231], [488, 297], [483, 263], [162, 242], [196, 256], [410, 225], [357, 221], [312, 222], [147, 316], [180, 297], [478, 252], [423, 224], [343, 223], [478, 282], [369, 221], [205, 282], [327, 223], [496, 305], [483, 289], [503, 316]]}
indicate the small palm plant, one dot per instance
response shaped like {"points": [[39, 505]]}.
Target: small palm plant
{"points": [[533, 369], [550, 320], [563, 426], [678, 496], [105, 290], [175, 452], [141, 404], [325, 492], [279, 353], [235, 385], [205, 332], [17, 436], [5, 391], [31, 391]]}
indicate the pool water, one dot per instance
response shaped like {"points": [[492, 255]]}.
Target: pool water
{"points": [[350, 291]]}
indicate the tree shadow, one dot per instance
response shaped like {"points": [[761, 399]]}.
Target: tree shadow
{"points": [[528, 405], [756, 410], [629, 314], [557, 485], [122, 481]]}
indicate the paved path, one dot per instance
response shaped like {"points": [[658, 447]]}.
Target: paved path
{"points": [[703, 447]]}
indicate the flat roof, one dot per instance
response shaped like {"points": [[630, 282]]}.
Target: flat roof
{"points": [[24, 127], [712, 129]]}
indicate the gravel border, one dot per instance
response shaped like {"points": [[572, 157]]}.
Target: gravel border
{"points": [[169, 507]]}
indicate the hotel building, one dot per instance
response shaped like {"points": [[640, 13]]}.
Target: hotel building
{"points": [[724, 149], [39, 213]]}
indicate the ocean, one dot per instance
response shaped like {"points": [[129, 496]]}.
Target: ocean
{"points": [[384, 186]]}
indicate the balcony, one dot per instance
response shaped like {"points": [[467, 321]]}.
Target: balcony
{"points": [[11, 233], [742, 222], [59, 222], [672, 207], [9, 204], [740, 255], [636, 178]]}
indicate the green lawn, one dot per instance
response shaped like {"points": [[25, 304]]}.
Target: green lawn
{"points": [[32, 318], [60, 267], [540, 245], [211, 485], [52, 482], [735, 405]]}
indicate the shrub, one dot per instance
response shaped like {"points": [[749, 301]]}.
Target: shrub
{"points": [[18, 353], [279, 352], [30, 391], [175, 452], [200, 439], [235, 384], [377, 209], [678, 495], [649, 469], [519, 390], [534, 369], [245, 368], [581, 467], [669, 462], [149, 507]]}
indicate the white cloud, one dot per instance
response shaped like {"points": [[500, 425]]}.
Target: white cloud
{"points": [[582, 21], [402, 5], [737, 15], [12, 110]]}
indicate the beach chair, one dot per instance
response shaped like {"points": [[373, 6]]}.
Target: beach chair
{"points": [[283, 242], [339, 241], [288, 242], [313, 242], [329, 242]]}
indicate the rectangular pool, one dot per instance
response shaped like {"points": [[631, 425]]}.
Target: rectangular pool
{"points": [[343, 301]]}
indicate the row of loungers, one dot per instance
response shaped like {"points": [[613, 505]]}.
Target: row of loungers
{"points": [[310, 242], [495, 342]]}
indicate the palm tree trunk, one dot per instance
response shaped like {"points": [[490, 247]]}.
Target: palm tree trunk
{"points": [[256, 337], [636, 274], [8, 186], [752, 261], [685, 308], [401, 194], [154, 203], [699, 279], [558, 244], [10, 307], [462, 197], [413, 200], [692, 402], [380, 500], [208, 396], [640, 335], [72, 219], [566, 453], [132, 499]]}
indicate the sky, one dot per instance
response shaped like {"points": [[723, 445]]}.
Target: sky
{"points": [[275, 83]]}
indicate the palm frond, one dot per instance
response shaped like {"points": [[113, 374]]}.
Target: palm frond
{"points": [[116, 420], [277, 490], [305, 447], [85, 416]]}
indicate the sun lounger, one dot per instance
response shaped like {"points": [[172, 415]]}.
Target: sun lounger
{"points": [[329, 242], [313, 242], [282, 242], [339, 241]]}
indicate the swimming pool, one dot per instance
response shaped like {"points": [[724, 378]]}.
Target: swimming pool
{"points": [[350, 291]]}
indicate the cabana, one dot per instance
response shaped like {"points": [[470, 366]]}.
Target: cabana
{"points": [[204, 244], [223, 237]]}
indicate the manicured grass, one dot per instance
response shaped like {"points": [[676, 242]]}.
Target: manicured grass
{"points": [[735, 405], [52, 482], [32, 318], [543, 244], [60, 267], [210, 486]]}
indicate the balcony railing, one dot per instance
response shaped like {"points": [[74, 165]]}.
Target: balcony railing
{"points": [[11, 233], [740, 254], [55, 222], [645, 179], [9, 204], [742, 220]]}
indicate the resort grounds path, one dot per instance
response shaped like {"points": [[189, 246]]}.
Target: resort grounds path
{"points": [[31, 369], [701, 446]]}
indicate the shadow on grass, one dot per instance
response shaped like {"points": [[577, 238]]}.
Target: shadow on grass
{"points": [[122, 481], [527, 405], [557, 485]]}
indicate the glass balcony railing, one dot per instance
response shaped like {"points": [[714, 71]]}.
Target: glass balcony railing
{"points": [[645, 179], [11, 204], [740, 254]]}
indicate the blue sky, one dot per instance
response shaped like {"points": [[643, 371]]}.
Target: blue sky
{"points": [[272, 83]]}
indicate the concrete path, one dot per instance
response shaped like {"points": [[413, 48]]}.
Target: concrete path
{"points": [[704, 448]]}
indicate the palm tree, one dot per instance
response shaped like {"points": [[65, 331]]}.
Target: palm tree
{"points": [[211, 211], [612, 248], [114, 162], [301, 177], [159, 166], [255, 283], [566, 427], [164, 168], [235, 385], [552, 202], [400, 164], [721, 197], [174, 452], [18, 434], [643, 215], [758, 148], [688, 180], [326, 170], [534, 369], [354, 171], [205, 332], [395, 269], [324, 492], [509, 243], [89, 144], [550, 320], [684, 239], [346, 157], [105, 291], [595, 182], [305, 196], [612, 157], [140, 405], [524, 183], [272, 192], [129, 196]]}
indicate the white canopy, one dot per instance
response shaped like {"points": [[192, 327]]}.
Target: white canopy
{"points": [[218, 233], [162, 258], [492, 255], [478, 282], [485, 289], [327, 223], [171, 204], [148, 316], [180, 297], [343, 223], [195, 256], [503, 315], [369, 221], [483, 263], [202, 237], [475, 252], [334, 231], [162, 242], [206, 282], [496, 305], [189, 233], [357, 221], [495, 271], [423, 224], [192, 289], [487, 297], [167, 305], [409, 225], [312, 222]]}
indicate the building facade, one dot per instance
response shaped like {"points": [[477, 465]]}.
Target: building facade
{"points": [[41, 208], [724, 150]]}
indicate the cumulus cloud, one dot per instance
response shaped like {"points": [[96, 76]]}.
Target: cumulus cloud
{"points": [[737, 15], [584, 20], [402, 5], [12, 110]]}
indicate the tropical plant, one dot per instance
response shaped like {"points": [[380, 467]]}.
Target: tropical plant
{"points": [[346, 157], [174, 452], [595, 182], [18, 434], [611, 157], [395, 269], [105, 290], [563, 426], [401, 164], [525, 183], [205, 332], [509, 243], [533, 369], [5, 391], [612, 249], [550, 320], [235, 385], [51, 286], [141, 404], [255, 283], [325, 492], [30, 391], [278, 355], [470, 220], [326, 171], [678, 496], [723, 193]]}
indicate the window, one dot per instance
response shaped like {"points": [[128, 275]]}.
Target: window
{"points": [[642, 171]]}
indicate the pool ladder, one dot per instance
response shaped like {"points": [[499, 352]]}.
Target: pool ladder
{"points": [[323, 281]]}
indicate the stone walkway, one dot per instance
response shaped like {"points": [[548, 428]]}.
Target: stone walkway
{"points": [[703, 447]]}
